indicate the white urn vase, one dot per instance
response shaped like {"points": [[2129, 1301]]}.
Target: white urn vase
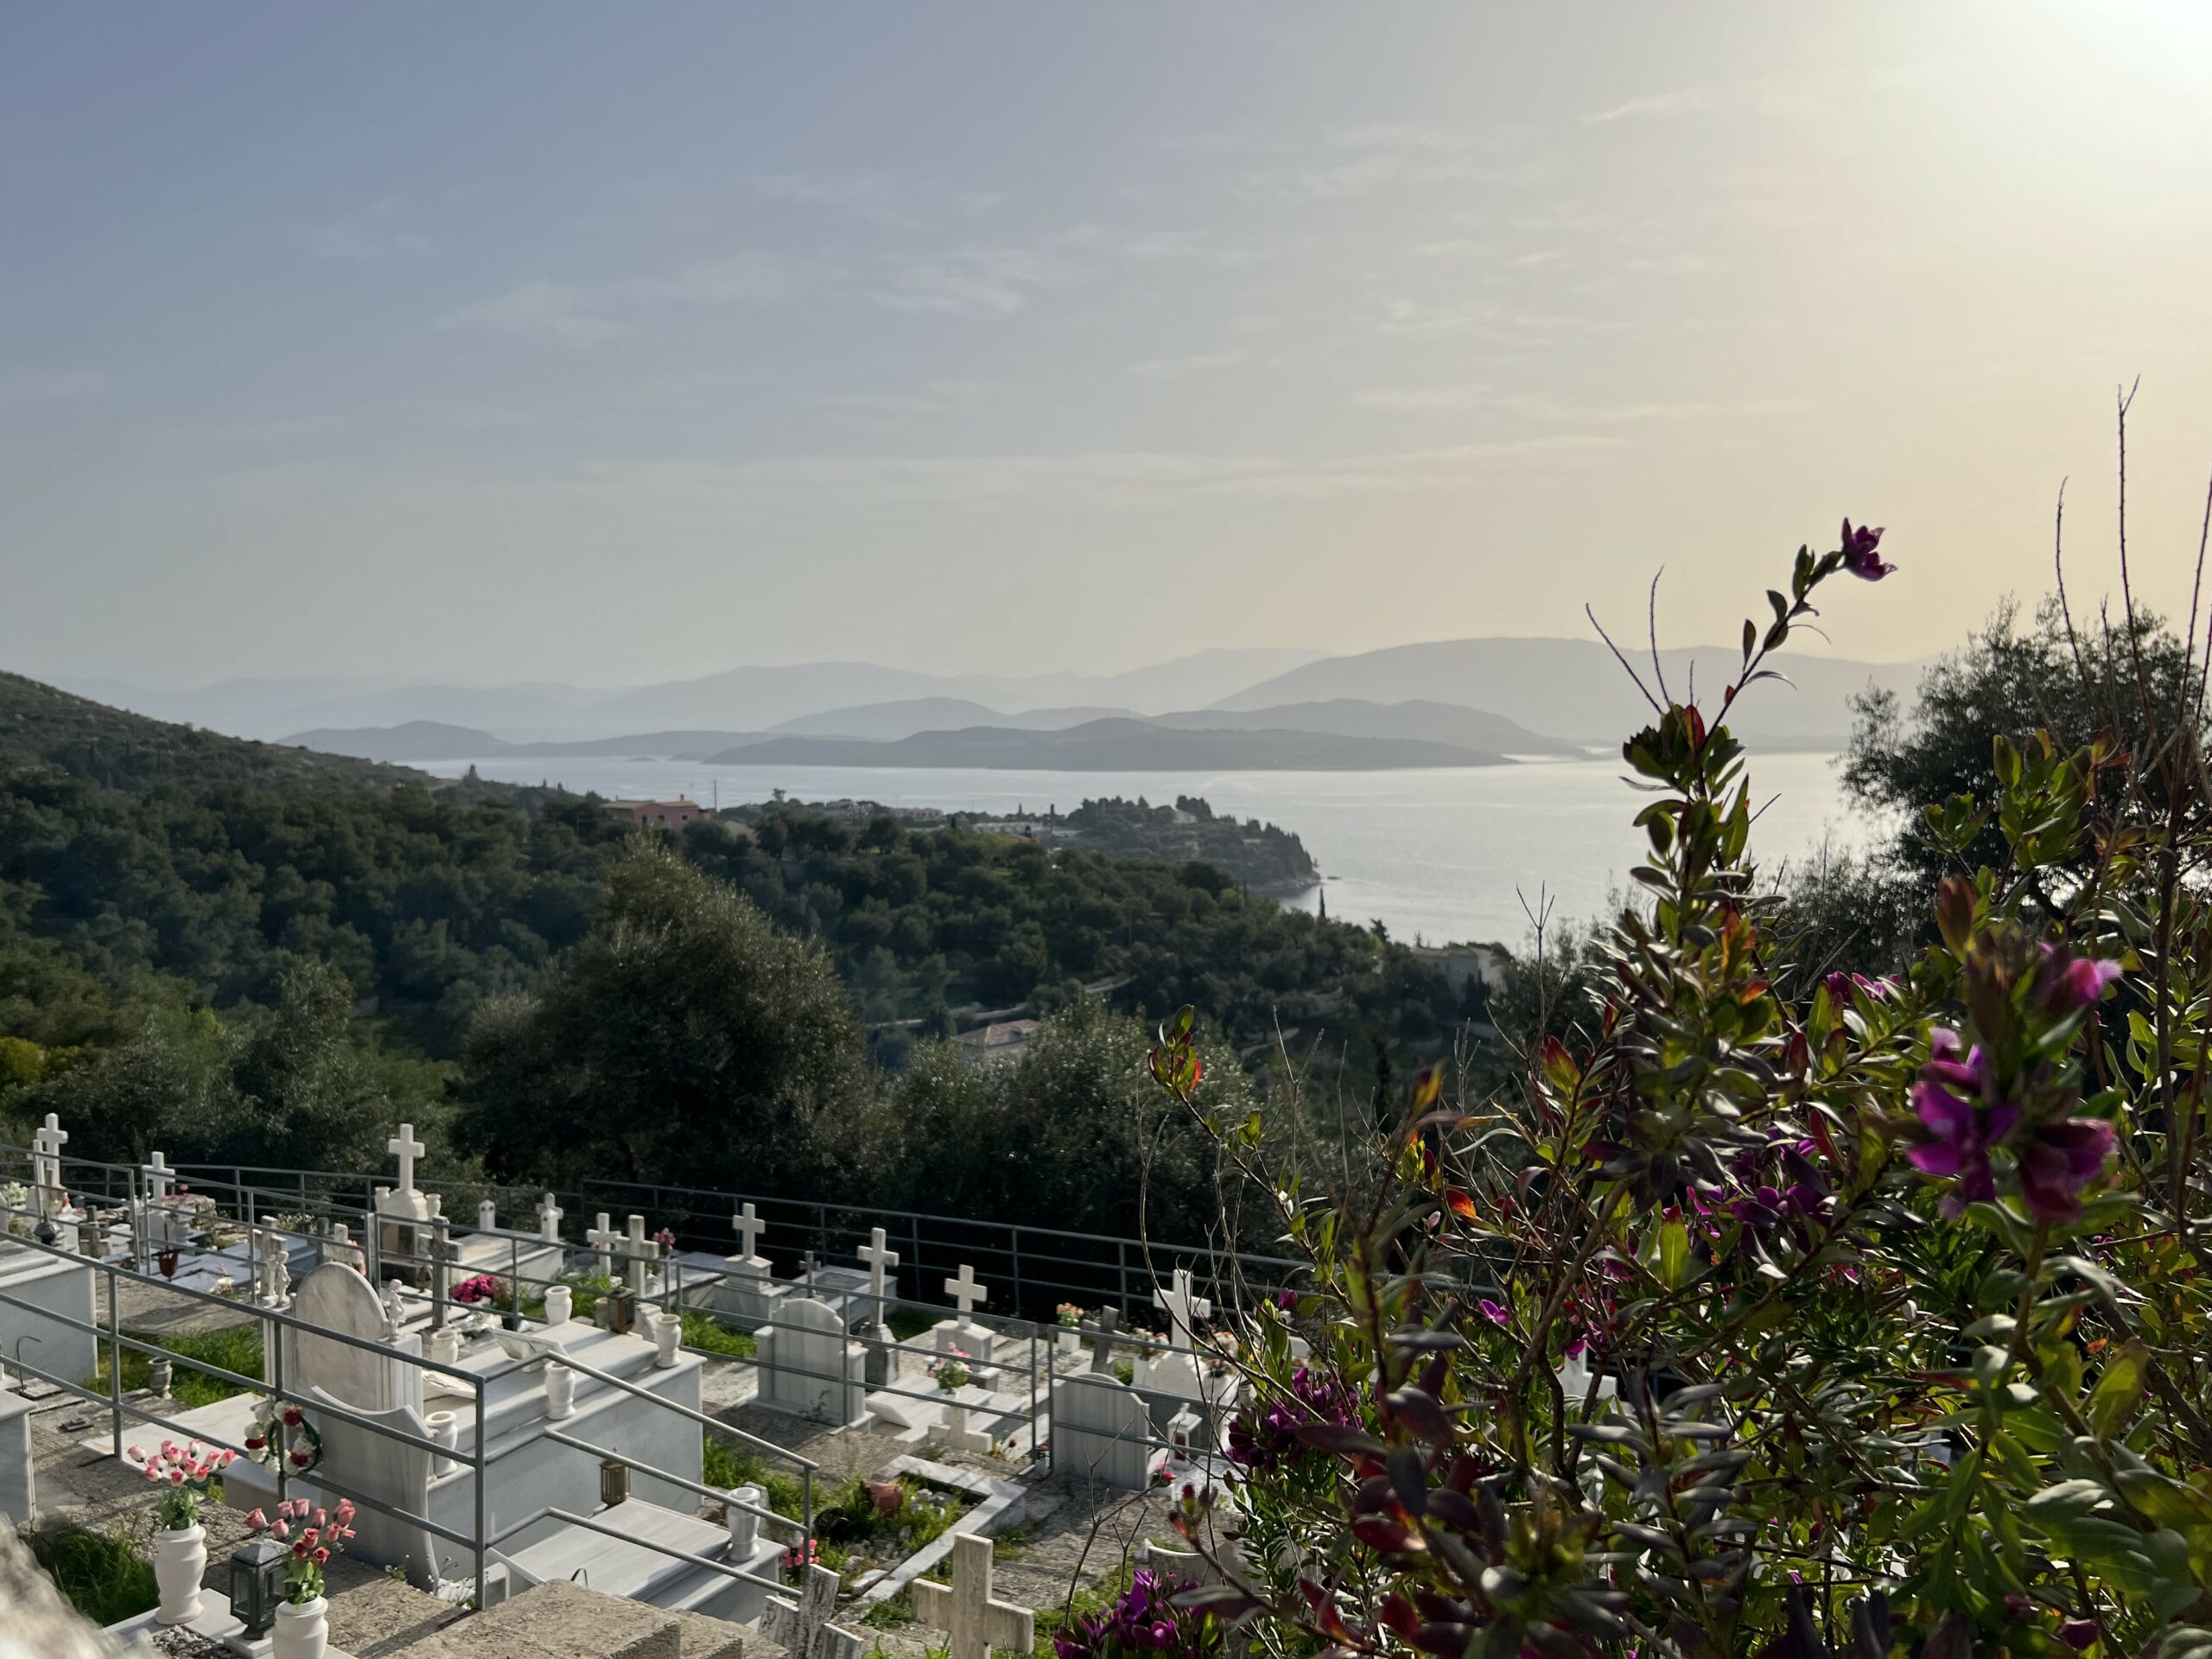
{"points": [[301, 1630], [560, 1390], [668, 1333], [180, 1559], [559, 1305], [445, 1429]]}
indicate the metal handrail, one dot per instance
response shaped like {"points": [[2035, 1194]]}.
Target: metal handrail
{"points": [[719, 1494]]}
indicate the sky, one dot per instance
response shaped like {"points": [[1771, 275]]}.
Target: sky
{"points": [[612, 345]]}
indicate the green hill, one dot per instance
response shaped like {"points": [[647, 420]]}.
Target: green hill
{"points": [[41, 728]]}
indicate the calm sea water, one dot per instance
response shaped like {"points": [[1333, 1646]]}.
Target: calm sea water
{"points": [[1441, 855]]}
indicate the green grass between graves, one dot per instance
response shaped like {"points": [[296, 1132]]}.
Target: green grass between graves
{"points": [[101, 1574], [235, 1348]]}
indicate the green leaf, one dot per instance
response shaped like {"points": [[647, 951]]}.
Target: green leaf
{"points": [[2117, 1391], [1674, 1254]]}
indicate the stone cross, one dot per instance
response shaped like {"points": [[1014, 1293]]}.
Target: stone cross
{"points": [[964, 1292], [548, 1219], [806, 1265], [406, 1148], [46, 1161], [603, 1239], [1102, 1349], [1181, 1308], [878, 1259], [487, 1216], [158, 1177], [803, 1629], [642, 1252], [748, 1228], [270, 1252], [964, 1610]]}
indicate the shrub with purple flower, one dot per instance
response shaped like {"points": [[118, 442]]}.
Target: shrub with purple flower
{"points": [[1144, 1621], [1263, 1434]]}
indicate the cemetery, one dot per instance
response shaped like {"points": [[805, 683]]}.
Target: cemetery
{"points": [[557, 1402]]}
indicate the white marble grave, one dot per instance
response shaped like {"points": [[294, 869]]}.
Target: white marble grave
{"points": [[965, 1610], [808, 1363], [1102, 1431]]}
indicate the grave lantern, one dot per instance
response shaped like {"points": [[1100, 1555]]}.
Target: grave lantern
{"points": [[257, 1584], [613, 1482]]}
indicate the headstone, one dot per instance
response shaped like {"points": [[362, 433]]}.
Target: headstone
{"points": [[1102, 1431], [977, 1341], [487, 1216], [748, 1293], [641, 1251], [807, 1364], [406, 1148], [1177, 1372], [882, 1352], [1101, 1346], [802, 1629], [339, 1247], [335, 1298], [603, 1239], [965, 1611], [548, 1219], [1182, 1308], [47, 1141]]}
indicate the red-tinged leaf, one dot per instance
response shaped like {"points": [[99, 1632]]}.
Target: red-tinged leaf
{"points": [[1449, 1640], [1384, 1535], [1456, 1199], [1397, 1614], [1558, 1067], [1339, 1439]]}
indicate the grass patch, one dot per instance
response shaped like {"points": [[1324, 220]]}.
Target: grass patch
{"points": [[853, 1532], [235, 1348], [908, 1323], [890, 1613], [101, 1574], [726, 1465], [703, 1331]]}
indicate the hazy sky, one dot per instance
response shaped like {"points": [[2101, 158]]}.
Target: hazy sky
{"points": [[617, 343]]}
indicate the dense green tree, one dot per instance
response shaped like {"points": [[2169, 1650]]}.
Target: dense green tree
{"points": [[685, 1039], [1069, 1129]]}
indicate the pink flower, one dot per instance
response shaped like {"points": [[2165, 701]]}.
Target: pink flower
{"points": [[281, 1529], [321, 1556], [258, 1522], [1960, 1131], [2068, 983], [1496, 1314], [1859, 554]]}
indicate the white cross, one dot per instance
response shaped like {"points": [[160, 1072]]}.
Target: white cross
{"points": [[749, 1227], [964, 1291], [642, 1250], [46, 1153], [603, 1239], [964, 1610], [802, 1629], [406, 1148], [1181, 1307], [877, 1258], [548, 1219], [158, 1177]]}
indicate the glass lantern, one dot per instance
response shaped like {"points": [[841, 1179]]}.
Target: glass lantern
{"points": [[257, 1584]]}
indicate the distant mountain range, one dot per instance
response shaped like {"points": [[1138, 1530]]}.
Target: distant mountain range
{"points": [[1323, 736], [1481, 697], [1126, 744], [741, 699], [1573, 687]]}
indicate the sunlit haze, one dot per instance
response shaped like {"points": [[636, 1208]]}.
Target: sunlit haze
{"points": [[590, 344]]}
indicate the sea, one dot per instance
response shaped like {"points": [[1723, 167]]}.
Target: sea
{"points": [[1437, 855]]}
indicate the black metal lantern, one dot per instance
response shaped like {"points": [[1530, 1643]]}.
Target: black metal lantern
{"points": [[613, 1482], [257, 1584]]}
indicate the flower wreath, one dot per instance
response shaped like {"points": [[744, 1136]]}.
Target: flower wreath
{"points": [[279, 1423]]}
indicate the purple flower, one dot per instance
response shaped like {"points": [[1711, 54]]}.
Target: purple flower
{"points": [[1960, 1131], [1859, 554], [1496, 1314], [2058, 1160], [2067, 984], [1264, 1437]]}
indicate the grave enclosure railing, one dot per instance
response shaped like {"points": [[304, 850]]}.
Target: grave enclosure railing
{"points": [[1030, 1268], [84, 1177]]}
